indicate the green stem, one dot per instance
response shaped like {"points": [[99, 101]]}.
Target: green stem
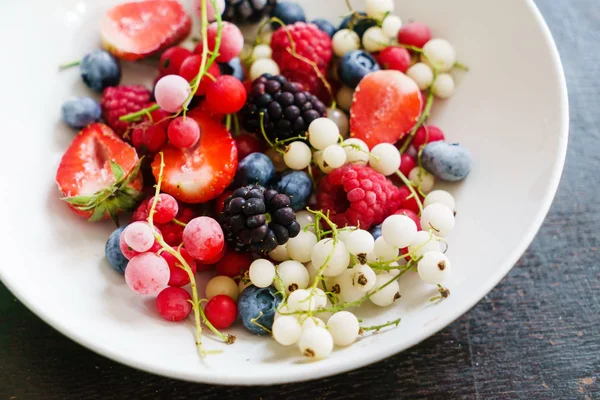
{"points": [[379, 327], [228, 122], [138, 114], [236, 125], [424, 116], [69, 65], [262, 130], [460, 65], [178, 222], [409, 184]]}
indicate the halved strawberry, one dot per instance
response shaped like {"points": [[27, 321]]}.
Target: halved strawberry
{"points": [[386, 105], [98, 174], [135, 30], [203, 172]]}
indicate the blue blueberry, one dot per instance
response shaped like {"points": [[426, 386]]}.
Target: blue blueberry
{"points": [[325, 26], [376, 231], [289, 13], [114, 256], [79, 112], [252, 302], [447, 161], [298, 187], [360, 23], [255, 168], [355, 65], [99, 70], [233, 67]]}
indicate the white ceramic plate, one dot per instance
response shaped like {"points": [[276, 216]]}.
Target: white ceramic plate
{"points": [[510, 111]]}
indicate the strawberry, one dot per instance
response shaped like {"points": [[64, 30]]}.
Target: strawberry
{"points": [[98, 174], [135, 30], [202, 172], [386, 105]]}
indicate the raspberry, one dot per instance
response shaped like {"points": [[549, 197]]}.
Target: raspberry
{"points": [[311, 43], [121, 100], [356, 195]]}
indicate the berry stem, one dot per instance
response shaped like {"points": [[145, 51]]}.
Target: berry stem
{"points": [[262, 130], [422, 119], [69, 65], [460, 65], [178, 222], [409, 184], [379, 327], [228, 122], [138, 114], [236, 125]]}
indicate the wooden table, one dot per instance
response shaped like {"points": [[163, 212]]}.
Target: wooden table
{"points": [[536, 336]]}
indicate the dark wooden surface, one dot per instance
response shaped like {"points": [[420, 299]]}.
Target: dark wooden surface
{"points": [[536, 336]]}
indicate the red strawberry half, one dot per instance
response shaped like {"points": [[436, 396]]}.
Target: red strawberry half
{"points": [[386, 105], [203, 172], [98, 174], [135, 30]]}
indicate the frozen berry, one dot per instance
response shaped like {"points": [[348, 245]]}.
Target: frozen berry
{"points": [[99, 70], [171, 60], [79, 112], [191, 68], [171, 92], [178, 275], [355, 65], [147, 274], [183, 132], [173, 303], [203, 238], [397, 58], [414, 34], [166, 208], [232, 41]]}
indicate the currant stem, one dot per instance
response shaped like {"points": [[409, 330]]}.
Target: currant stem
{"points": [[178, 222], [138, 114], [69, 65], [422, 119], [379, 327], [409, 184]]}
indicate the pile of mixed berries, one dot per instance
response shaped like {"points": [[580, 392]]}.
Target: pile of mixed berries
{"points": [[299, 170]]}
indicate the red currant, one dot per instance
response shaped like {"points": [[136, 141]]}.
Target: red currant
{"points": [[141, 213], [207, 265], [407, 163], [221, 311], [160, 117], [190, 68], [171, 60], [397, 58], [203, 238], [183, 132], [232, 41], [233, 264], [427, 134], [247, 144], [414, 34], [166, 208], [129, 253], [226, 95], [149, 138], [410, 214], [179, 277], [173, 303], [409, 203]]}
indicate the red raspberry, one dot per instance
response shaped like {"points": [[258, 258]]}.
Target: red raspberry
{"points": [[310, 42], [358, 195], [121, 100]]}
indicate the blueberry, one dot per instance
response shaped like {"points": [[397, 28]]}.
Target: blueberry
{"points": [[234, 68], [114, 256], [252, 302], [79, 112], [447, 161], [360, 23], [289, 13], [376, 231], [325, 26], [99, 70], [256, 168], [298, 187], [355, 65]]}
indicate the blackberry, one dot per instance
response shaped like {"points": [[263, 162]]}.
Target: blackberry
{"points": [[287, 109], [258, 219], [247, 11]]}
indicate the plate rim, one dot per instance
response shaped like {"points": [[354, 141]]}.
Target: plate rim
{"points": [[378, 355]]}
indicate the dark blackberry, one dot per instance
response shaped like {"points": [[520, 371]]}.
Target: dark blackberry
{"points": [[258, 219], [287, 110], [247, 11]]}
